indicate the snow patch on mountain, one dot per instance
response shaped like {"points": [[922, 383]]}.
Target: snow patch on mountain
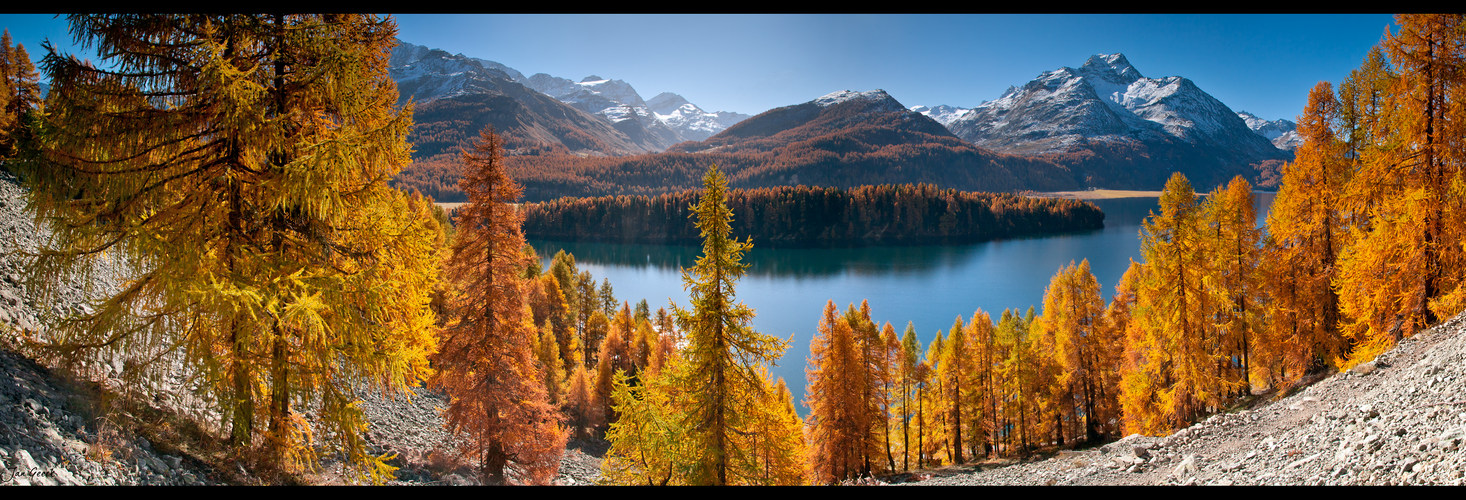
{"points": [[426, 74], [1105, 99], [943, 114], [877, 96], [690, 121], [1282, 133]]}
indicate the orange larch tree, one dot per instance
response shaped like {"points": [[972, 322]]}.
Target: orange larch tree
{"points": [[498, 402], [1073, 316], [1307, 225], [1233, 282], [836, 439], [1397, 269]]}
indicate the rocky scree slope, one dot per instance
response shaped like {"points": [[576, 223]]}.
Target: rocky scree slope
{"points": [[1397, 420], [57, 429]]}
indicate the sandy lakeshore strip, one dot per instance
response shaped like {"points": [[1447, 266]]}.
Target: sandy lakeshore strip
{"points": [[1097, 194]]}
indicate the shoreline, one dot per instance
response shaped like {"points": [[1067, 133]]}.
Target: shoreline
{"points": [[1096, 194]]}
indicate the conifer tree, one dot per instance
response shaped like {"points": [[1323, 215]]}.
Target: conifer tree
{"points": [[833, 397], [1234, 283], [978, 334], [1170, 307], [646, 441], [907, 366], [1085, 355], [580, 405], [1308, 225], [237, 165], [1019, 375], [20, 95], [955, 373], [1410, 254], [716, 388], [866, 376], [778, 439], [615, 356], [498, 402], [552, 369], [934, 406], [722, 352], [890, 352], [1145, 365]]}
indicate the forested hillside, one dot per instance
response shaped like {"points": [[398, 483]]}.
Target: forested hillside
{"points": [[802, 216]]}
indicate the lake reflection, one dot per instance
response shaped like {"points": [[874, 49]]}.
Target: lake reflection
{"points": [[929, 286]]}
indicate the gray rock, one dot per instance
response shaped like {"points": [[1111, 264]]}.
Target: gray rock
{"points": [[66, 478], [1297, 463], [1187, 466]]}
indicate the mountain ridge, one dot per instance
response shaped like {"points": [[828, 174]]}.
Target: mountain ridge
{"points": [[1122, 129]]}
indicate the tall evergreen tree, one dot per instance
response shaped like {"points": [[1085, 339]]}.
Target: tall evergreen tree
{"points": [[837, 440], [1410, 255], [1233, 282], [723, 353], [907, 366], [716, 387], [1308, 224], [498, 401], [1073, 317], [1170, 313], [20, 95]]}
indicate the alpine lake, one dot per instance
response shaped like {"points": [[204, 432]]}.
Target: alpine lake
{"points": [[928, 286]]}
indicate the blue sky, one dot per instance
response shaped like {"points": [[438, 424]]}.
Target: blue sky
{"points": [[749, 63]]}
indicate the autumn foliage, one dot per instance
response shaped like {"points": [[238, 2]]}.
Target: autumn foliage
{"points": [[236, 167], [487, 367]]}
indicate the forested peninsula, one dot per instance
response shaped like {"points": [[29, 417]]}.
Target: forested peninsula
{"points": [[798, 216]]}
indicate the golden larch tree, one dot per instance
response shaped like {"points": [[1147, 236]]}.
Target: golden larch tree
{"points": [[1073, 315], [1308, 226], [836, 437], [1234, 284], [1410, 254], [236, 166], [1171, 387]]}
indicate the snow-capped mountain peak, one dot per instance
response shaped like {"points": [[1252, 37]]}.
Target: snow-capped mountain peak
{"points": [[1108, 101], [1104, 97], [837, 97], [666, 102], [1113, 67], [687, 119]]}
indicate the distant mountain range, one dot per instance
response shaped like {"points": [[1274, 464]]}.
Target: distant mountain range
{"points": [[458, 89], [1121, 128], [1100, 125], [843, 139], [1282, 133]]}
